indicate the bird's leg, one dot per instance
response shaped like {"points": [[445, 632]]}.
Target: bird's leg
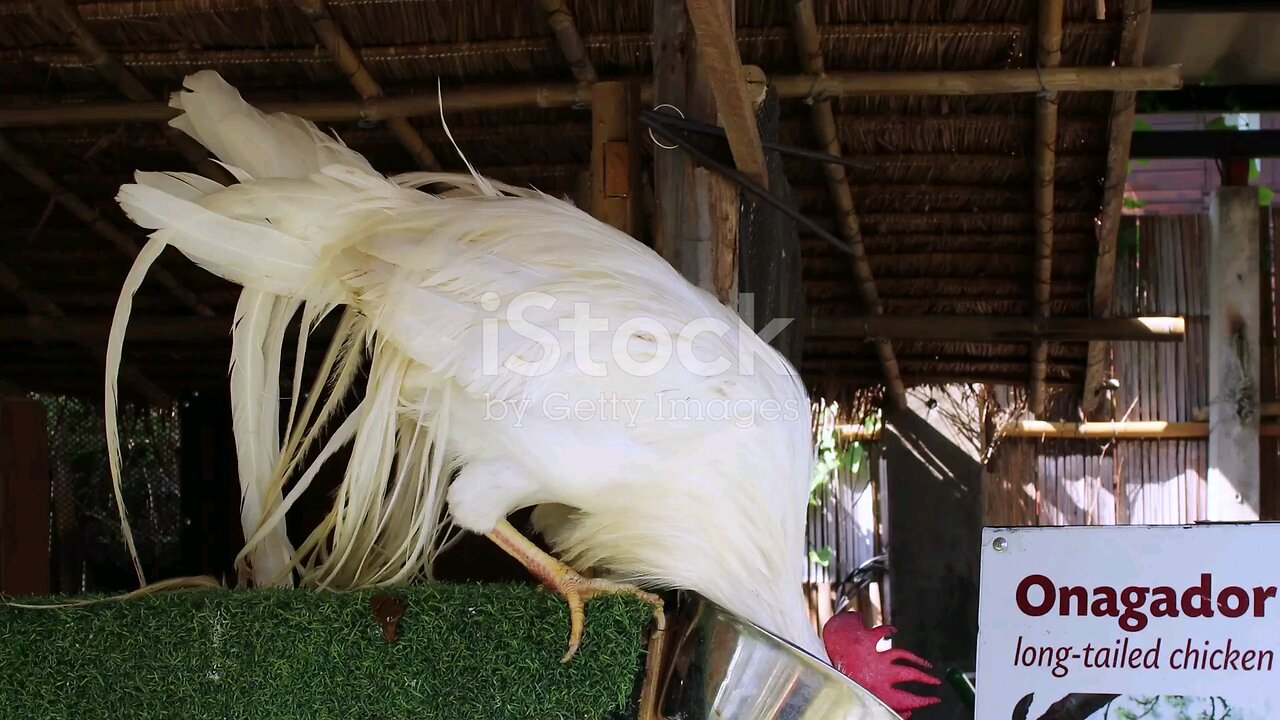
{"points": [[566, 581]]}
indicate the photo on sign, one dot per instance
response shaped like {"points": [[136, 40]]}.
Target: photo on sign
{"points": [[1097, 706]]}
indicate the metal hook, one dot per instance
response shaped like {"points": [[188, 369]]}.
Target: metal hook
{"points": [[654, 139]]}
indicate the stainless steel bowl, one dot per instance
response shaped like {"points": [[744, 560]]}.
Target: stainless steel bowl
{"points": [[726, 668]]}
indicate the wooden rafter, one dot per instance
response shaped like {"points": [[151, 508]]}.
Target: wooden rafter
{"points": [[1128, 430], [1048, 55], [560, 17], [115, 72], [25, 167], [38, 304], [1133, 42], [986, 328], [824, 127], [348, 60], [718, 53], [191, 58], [563, 95], [958, 328]]}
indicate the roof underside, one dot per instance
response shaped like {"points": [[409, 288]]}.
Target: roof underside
{"points": [[945, 204]]}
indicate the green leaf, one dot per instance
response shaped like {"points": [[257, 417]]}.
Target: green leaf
{"points": [[821, 557], [1140, 125], [1265, 196], [1133, 203], [1255, 169], [851, 458]]}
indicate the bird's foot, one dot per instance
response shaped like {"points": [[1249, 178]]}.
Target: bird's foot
{"points": [[568, 583], [577, 590]]}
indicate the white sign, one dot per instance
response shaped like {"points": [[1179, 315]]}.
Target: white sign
{"points": [[1129, 621]]}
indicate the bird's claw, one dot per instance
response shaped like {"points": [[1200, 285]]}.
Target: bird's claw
{"points": [[577, 590]]}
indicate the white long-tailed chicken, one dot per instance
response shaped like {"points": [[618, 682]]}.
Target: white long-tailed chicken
{"points": [[521, 353]]}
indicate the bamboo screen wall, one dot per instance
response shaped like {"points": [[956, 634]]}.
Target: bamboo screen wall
{"points": [[843, 527], [1162, 270]]}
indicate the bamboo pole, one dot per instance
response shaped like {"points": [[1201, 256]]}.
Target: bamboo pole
{"points": [[1133, 42], [37, 303], [179, 56], [1048, 55], [560, 17], [945, 287], [130, 86], [824, 127], [980, 82], [348, 60], [1267, 409], [564, 95], [976, 328], [1125, 430], [23, 165]]}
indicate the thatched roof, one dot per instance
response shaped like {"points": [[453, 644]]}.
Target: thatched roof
{"points": [[945, 203]]}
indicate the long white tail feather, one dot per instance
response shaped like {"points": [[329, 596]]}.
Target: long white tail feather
{"points": [[187, 186], [245, 253], [147, 256], [481, 182], [389, 520], [340, 437], [254, 390]]}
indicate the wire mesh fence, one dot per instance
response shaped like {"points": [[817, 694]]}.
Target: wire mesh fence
{"points": [[88, 552]]}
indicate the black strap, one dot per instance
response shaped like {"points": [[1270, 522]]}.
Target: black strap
{"points": [[677, 130]]}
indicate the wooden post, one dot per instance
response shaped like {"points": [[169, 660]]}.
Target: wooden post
{"points": [[697, 216], [1133, 42], [1234, 356], [1268, 462], [615, 161], [24, 497]]}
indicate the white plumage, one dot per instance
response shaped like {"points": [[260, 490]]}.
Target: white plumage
{"points": [[663, 475]]}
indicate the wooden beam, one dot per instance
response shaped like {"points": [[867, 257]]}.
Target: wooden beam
{"points": [[129, 85], [1130, 430], [615, 155], [24, 166], [560, 17], [348, 60], [696, 226], [1123, 430], [1133, 42], [1234, 351], [982, 328], [37, 303], [24, 498], [980, 82], [567, 95], [713, 26], [1266, 409], [1048, 55], [185, 59], [824, 127]]}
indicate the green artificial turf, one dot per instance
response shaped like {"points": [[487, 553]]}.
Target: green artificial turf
{"points": [[488, 652]]}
